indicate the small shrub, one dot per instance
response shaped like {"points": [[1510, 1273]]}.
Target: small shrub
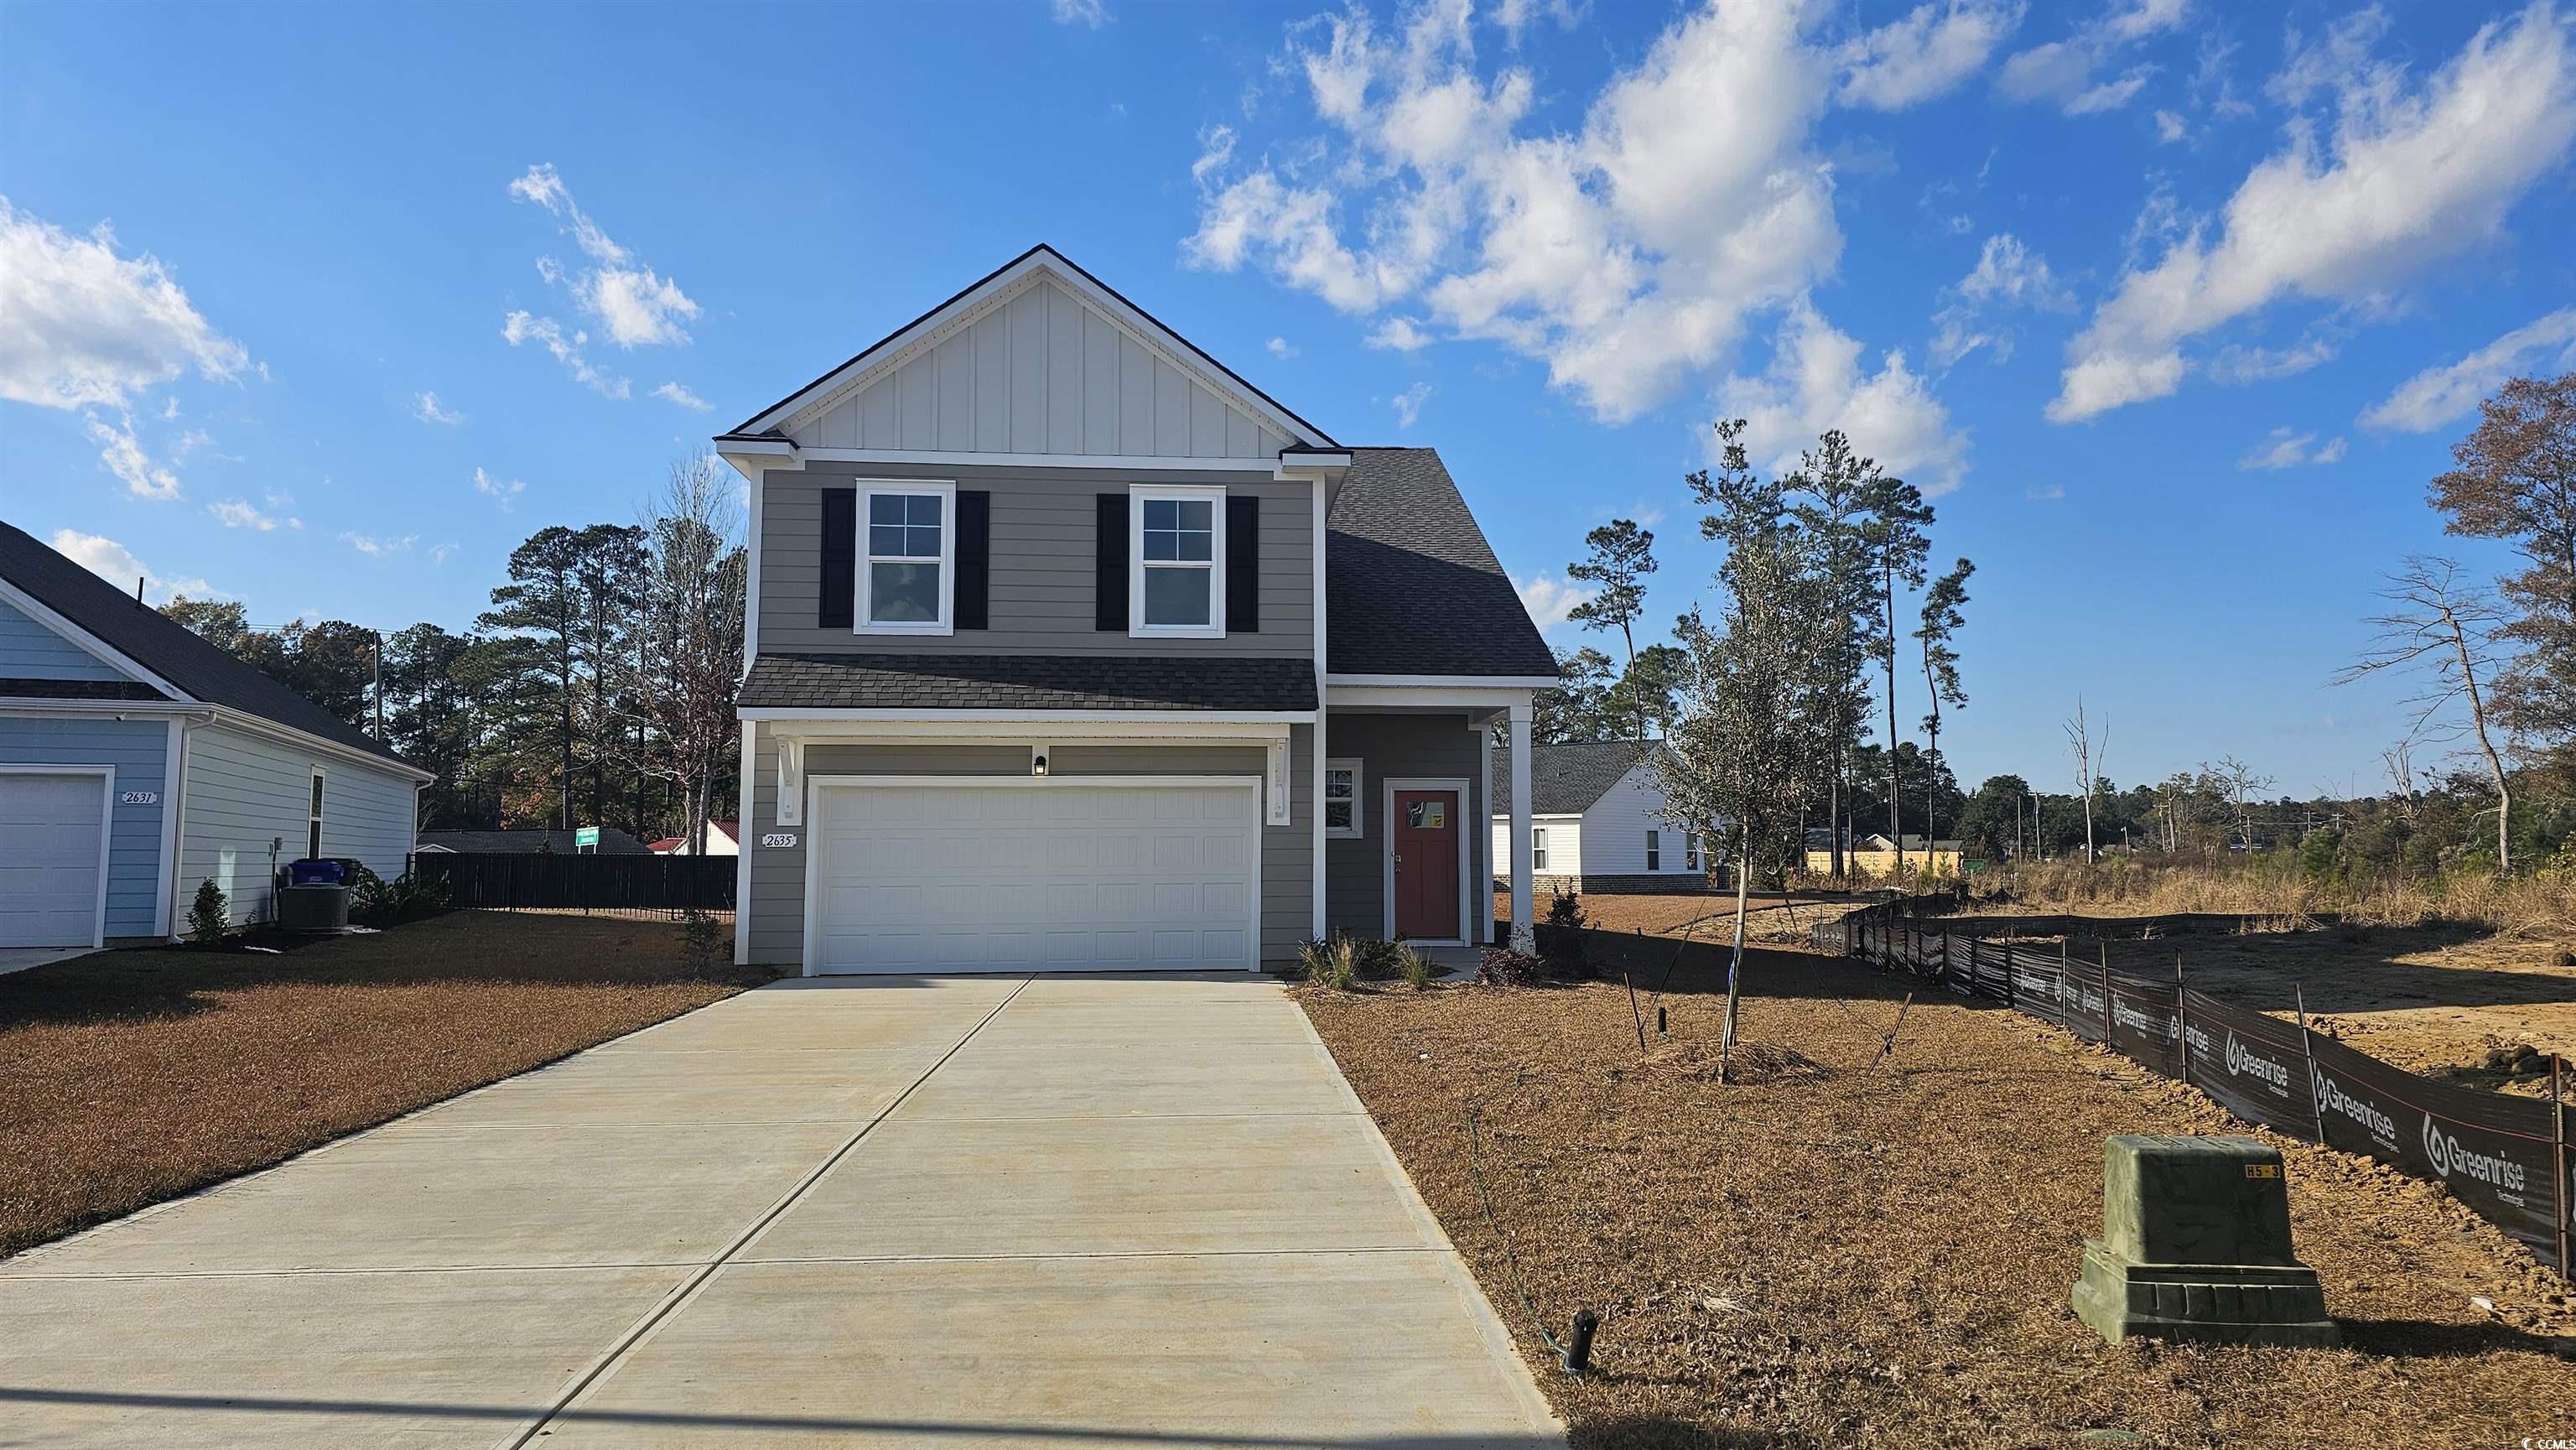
{"points": [[1330, 962], [1376, 961], [1560, 937], [378, 903], [1415, 967], [1503, 967], [209, 916], [702, 939]]}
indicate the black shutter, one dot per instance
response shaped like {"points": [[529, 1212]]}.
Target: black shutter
{"points": [[971, 587], [840, 573], [1242, 564], [1109, 593]]}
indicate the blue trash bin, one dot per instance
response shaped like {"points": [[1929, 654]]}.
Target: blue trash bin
{"points": [[316, 873]]}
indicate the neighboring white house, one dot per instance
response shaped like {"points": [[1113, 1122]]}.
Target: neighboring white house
{"points": [[724, 838], [1597, 822], [138, 760]]}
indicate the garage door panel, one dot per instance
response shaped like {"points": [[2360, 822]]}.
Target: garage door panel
{"points": [[1066, 875], [49, 858]]}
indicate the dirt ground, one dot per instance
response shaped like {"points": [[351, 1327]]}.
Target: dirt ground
{"points": [[1704, 917], [1830, 1255], [135, 1076]]}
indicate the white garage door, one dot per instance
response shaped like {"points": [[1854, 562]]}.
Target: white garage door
{"points": [[50, 833], [1048, 875]]}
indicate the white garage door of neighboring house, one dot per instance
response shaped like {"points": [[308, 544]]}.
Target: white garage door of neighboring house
{"points": [[980, 875], [53, 834]]}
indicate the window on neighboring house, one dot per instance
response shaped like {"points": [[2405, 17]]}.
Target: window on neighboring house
{"points": [[1538, 848], [313, 822], [1654, 850], [1342, 798], [1690, 851], [1179, 562], [909, 546]]}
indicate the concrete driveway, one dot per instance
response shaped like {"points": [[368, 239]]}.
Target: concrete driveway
{"points": [[1067, 1212]]}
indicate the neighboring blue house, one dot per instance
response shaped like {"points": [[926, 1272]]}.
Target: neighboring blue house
{"points": [[137, 760]]}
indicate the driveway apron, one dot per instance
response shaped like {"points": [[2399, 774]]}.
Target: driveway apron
{"points": [[971, 1212]]}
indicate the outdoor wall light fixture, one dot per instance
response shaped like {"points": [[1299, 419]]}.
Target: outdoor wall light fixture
{"points": [[1037, 762]]}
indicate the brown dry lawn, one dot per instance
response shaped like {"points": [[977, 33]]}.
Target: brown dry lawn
{"points": [[135, 1076], [1832, 1256], [1705, 917]]}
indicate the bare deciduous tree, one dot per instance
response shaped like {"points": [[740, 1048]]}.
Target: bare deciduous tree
{"points": [[2444, 628], [2088, 768], [692, 616], [2238, 782]]}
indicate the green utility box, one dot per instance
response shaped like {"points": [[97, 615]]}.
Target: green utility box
{"points": [[2196, 1245]]}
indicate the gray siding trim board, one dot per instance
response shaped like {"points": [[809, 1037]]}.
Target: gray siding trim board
{"points": [[1042, 570]]}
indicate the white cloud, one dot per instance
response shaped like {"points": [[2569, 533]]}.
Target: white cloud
{"points": [[2234, 366], [1549, 598], [2441, 393], [2008, 275], [633, 305], [2283, 448], [121, 453], [504, 492], [376, 548], [239, 513], [2061, 71], [519, 327], [1400, 334], [1816, 382], [438, 552], [116, 564], [674, 393], [2044, 492], [2406, 176], [1627, 254], [1922, 54], [425, 407], [87, 328], [2170, 128], [1281, 347], [1408, 404], [1091, 13]]}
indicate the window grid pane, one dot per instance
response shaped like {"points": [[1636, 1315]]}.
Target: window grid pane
{"points": [[903, 525], [1177, 596], [903, 593]]}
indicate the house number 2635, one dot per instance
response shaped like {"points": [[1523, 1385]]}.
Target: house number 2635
{"points": [[778, 838]]}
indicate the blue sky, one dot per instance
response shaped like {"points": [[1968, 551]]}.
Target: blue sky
{"points": [[2176, 305]]}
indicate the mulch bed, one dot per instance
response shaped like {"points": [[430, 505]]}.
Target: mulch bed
{"points": [[135, 1076], [1819, 1254]]}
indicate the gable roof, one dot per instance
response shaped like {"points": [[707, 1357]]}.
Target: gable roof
{"points": [[770, 422], [1400, 545], [205, 672], [1567, 780]]}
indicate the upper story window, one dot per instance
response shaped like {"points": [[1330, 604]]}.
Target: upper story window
{"points": [[1177, 562], [909, 537]]}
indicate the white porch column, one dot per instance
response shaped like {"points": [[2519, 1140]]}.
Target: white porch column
{"points": [[1484, 836], [1524, 938]]}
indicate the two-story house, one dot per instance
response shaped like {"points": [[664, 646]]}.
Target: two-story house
{"points": [[1070, 649]]}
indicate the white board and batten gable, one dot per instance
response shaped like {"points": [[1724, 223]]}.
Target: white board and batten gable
{"points": [[1037, 359]]}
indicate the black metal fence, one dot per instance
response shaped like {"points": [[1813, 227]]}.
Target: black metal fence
{"points": [[2506, 1157], [547, 881]]}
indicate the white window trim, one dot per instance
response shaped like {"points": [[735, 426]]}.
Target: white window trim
{"points": [[1138, 494], [1538, 848], [314, 813], [946, 493], [1359, 819], [1654, 849]]}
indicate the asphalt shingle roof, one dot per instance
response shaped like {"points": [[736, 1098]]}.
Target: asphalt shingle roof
{"points": [[1414, 589], [612, 842], [164, 646], [1027, 682], [1566, 779]]}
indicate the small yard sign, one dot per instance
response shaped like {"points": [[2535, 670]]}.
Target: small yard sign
{"points": [[586, 836]]}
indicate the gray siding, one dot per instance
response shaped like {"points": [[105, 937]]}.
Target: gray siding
{"points": [[776, 924], [245, 790], [1039, 372], [32, 651], [139, 750], [1043, 565], [1420, 746]]}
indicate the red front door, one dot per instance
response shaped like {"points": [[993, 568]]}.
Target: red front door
{"points": [[1426, 864]]}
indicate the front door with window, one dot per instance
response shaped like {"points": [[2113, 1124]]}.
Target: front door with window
{"points": [[1424, 838]]}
